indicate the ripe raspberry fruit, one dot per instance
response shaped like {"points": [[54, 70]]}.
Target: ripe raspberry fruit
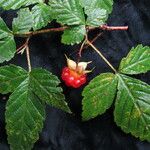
{"points": [[74, 75], [73, 79]]}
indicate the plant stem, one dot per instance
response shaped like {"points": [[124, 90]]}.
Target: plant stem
{"points": [[81, 48], [59, 29], [94, 39], [23, 46], [28, 34], [109, 28], [102, 56], [28, 57]]}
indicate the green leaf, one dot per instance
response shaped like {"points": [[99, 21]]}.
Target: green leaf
{"points": [[101, 4], [137, 61], [25, 111], [98, 95], [15, 4], [45, 86], [24, 117], [97, 11], [73, 35], [132, 107], [11, 77], [67, 12], [30, 2], [97, 17], [41, 15], [24, 22], [7, 43]]}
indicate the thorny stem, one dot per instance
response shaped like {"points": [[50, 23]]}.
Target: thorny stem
{"points": [[102, 56], [28, 58]]}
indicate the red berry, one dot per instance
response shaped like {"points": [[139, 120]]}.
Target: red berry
{"points": [[83, 79], [73, 78]]}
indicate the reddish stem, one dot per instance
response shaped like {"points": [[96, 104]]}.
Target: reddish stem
{"points": [[28, 34], [24, 45], [102, 27], [109, 28]]}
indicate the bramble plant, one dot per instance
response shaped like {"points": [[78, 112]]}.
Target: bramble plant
{"points": [[33, 89]]}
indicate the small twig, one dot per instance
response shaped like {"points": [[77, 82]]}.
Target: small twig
{"points": [[28, 57], [81, 48], [94, 39], [23, 46], [102, 56], [86, 45]]}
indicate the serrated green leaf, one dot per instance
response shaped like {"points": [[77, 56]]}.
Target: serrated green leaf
{"points": [[24, 22], [132, 107], [98, 95], [11, 77], [45, 86], [41, 15], [73, 35], [97, 11], [25, 111], [67, 12], [29, 2], [7, 43], [101, 4], [15, 4], [97, 17], [24, 117], [137, 61]]}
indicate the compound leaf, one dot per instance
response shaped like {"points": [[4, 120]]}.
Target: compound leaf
{"points": [[25, 110], [98, 95], [132, 107], [137, 61]]}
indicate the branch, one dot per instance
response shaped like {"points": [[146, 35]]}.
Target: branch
{"points": [[29, 34], [23, 46], [102, 56], [109, 28], [59, 29]]}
